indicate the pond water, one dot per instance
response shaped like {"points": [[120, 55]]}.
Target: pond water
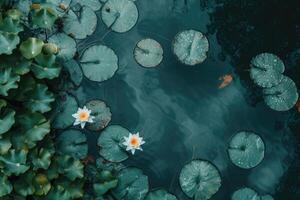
{"points": [[179, 109]]}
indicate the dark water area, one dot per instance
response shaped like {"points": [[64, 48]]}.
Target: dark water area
{"points": [[181, 112]]}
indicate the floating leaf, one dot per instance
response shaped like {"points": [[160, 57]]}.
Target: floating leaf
{"points": [[102, 188], [5, 186], [200, 179], [8, 42], [246, 150], [10, 25], [120, 15], [245, 194], [31, 47], [110, 142], [93, 4], [42, 184], [66, 46], [266, 70], [160, 195], [22, 66], [74, 189], [148, 53], [74, 71], [69, 167], [81, 23], [5, 145], [14, 162], [73, 143], [8, 80], [99, 63], [24, 185], [45, 67], [7, 119], [101, 113], [57, 192], [283, 96], [190, 47], [44, 17], [133, 185], [41, 156]]}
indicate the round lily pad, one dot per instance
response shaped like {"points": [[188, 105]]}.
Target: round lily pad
{"points": [[283, 96], [266, 70], [246, 150], [93, 4], [101, 113], [110, 142], [72, 143], [160, 195], [190, 47], [148, 53], [200, 179], [80, 23], [133, 185], [66, 46], [245, 194], [99, 63], [65, 106], [74, 70], [120, 15], [8, 42]]}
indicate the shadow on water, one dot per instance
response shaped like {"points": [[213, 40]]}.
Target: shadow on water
{"points": [[180, 111]]}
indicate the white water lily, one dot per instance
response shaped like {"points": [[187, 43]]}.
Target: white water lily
{"points": [[133, 142], [83, 116]]}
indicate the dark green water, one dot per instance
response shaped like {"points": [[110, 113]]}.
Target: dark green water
{"points": [[180, 111]]}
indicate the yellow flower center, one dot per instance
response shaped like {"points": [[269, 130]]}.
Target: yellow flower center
{"points": [[134, 141], [83, 116]]}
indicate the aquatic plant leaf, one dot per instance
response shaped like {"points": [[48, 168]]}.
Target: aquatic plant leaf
{"points": [[70, 167], [283, 96], [72, 142], [65, 106], [190, 47], [39, 99], [14, 162], [266, 70], [102, 188], [160, 195], [8, 80], [66, 46], [45, 67], [99, 63], [267, 197], [57, 192], [110, 142], [31, 47], [245, 194], [246, 150], [24, 185], [93, 4], [44, 17], [148, 53], [8, 42], [10, 25], [40, 157], [5, 185], [133, 185], [41, 184], [74, 189], [119, 15], [74, 71], [7, 119], [101, 113], [199, 179], [81, 23], [5, 145], [22, 66]]}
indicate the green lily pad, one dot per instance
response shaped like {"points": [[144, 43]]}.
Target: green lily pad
{"points": [[80, 23], [42, 184], [93, 4], [245, 194], [74, 189], [8, 80], [8, 42], [24, 185], [110, 142], [160, 195], [70, 167], [41, 156], [246, 150], [7, 119], [44, 17], [73, 143], [57, 192], [133, 185], [65, 106], [190, 47], [5, 145], [45, 67], [5, 186], [200, 179], [31, 47], [119, 15], [14, 162], [101, 113], [266, 70], [74, 71], [283, 96], [102, 188], [22, 66], [10, 25], [148, 53], [96, 67], [66, 46]]}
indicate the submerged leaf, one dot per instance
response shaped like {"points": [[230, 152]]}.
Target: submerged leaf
{"points": [[160, 195]]}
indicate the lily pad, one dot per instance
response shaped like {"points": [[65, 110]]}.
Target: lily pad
{"points": [[246, 150], [110, 142], [65, 106], [57, 192], [10, 25], [5, 145], [266, 70], [200, 179], [73, 143], [44, 17], [7, 119], [148, 53], [66, 46], [74, 71], [42, 184], [8, 42], [99, 63], [120, 15], [80, 23], [70, 167], [245, 194], [160, 195], [14, 162], [101, 113], [5, 186], [23, 186], [41, 156], [102, 188], [93, 4], [8, 81], [283, 96], [31, 47], [45, 67], [190, 47], [133, 185]]}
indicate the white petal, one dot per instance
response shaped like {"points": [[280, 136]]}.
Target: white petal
{"points": [[132, 151], [75, 115], [82, 124], [76, 123]]}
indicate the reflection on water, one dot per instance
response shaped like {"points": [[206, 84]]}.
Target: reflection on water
{"points": [[180, 111]]}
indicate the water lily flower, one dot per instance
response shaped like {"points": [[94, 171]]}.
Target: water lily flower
{"points": [[133, 142], [83, 116]]}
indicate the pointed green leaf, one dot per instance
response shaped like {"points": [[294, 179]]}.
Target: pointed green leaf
{"points": [[14, 162], [8, 81], [7, 119]]}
